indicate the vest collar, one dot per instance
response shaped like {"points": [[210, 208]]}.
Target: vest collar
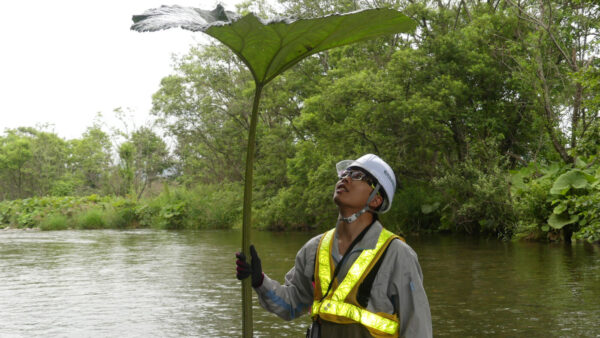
{"points": [[368, 242]]}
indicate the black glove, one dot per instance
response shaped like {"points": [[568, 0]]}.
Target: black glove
{"points": [[254, 268]]}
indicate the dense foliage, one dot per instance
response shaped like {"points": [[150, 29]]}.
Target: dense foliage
{"points": [[35, 162], [208, 207], [488, 115]]}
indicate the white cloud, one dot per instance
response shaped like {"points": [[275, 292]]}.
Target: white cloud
{"points": [[64, 61]]}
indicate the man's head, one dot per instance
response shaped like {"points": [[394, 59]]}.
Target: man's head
{"points": [[367, 182]]}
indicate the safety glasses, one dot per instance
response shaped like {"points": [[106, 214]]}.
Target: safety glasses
{"points": [[356, 175]]}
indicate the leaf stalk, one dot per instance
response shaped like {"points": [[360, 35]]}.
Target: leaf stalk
{"points": [[247, 214]]}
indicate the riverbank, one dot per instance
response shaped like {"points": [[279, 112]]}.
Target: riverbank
{"points": [[172, 209], [219, 207]]}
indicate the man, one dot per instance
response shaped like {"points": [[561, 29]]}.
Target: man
{"points": [[358, 279]]}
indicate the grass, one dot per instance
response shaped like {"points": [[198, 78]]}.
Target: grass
{"points": [[54, 222], [91, 219]]}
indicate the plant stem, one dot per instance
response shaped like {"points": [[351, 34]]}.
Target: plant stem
{"points": [[247, 213]]}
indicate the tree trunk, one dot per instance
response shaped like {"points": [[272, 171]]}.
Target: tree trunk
{"points": [[576, 113], [550, 116]]}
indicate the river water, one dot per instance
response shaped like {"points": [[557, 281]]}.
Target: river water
{"points": [[148, 283]]}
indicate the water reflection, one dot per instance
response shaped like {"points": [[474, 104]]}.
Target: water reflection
{"points": [[172, 284], [485, 287]]}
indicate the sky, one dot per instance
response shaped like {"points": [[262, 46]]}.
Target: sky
{"points": [[64, 61]]}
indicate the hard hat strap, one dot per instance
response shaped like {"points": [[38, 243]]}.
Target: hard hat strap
{"points": [[357, 214]]}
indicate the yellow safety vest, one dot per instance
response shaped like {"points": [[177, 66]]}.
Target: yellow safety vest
{"points": [[340, 305]]}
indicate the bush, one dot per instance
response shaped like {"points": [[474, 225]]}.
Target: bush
{"points": [[214, 206], [476, 199], [147, 211], [557, 200], [65, 186], [27, 212], [6, 209], [590, 233], [172, 215], [531, 205], [284, 211], [166, 211], [307, 202], [122, 214], [415, 209], [54, 222], [91, 219], [204, 207]]}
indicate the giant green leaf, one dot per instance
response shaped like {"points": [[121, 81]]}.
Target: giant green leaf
{"points": [[560, 208], [559, 221], [517, 179], [572, 179], [269, 47]]}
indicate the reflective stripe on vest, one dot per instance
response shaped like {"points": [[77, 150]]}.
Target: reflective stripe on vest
{"points": [[334, 303]]}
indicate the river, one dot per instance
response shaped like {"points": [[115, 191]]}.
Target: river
{"points": [[147, 283]]}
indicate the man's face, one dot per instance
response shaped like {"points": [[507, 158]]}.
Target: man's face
{"points": [[352, 193]]}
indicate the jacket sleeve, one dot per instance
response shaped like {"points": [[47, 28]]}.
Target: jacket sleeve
{"points": [[408, 294], [295, 296]]}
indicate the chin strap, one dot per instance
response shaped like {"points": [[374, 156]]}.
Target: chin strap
{"points": [[357, 214]]}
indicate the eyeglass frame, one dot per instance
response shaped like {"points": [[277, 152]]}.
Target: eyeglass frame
{"points": [[365, 176]]}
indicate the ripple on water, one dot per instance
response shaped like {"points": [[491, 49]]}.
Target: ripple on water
{"points": [[146, 283]]}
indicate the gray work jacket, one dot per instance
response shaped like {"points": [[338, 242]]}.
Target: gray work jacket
{"points": [[397, 288]]}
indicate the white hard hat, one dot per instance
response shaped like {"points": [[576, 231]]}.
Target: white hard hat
{"points": [[377, 168]]}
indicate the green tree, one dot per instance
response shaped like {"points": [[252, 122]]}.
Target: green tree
{"points": [[555, 48], [150, 158], [48, 165], [91, 160], [206, 106], [35, 162], [15, 154], [126, 169], [479, 89]]}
